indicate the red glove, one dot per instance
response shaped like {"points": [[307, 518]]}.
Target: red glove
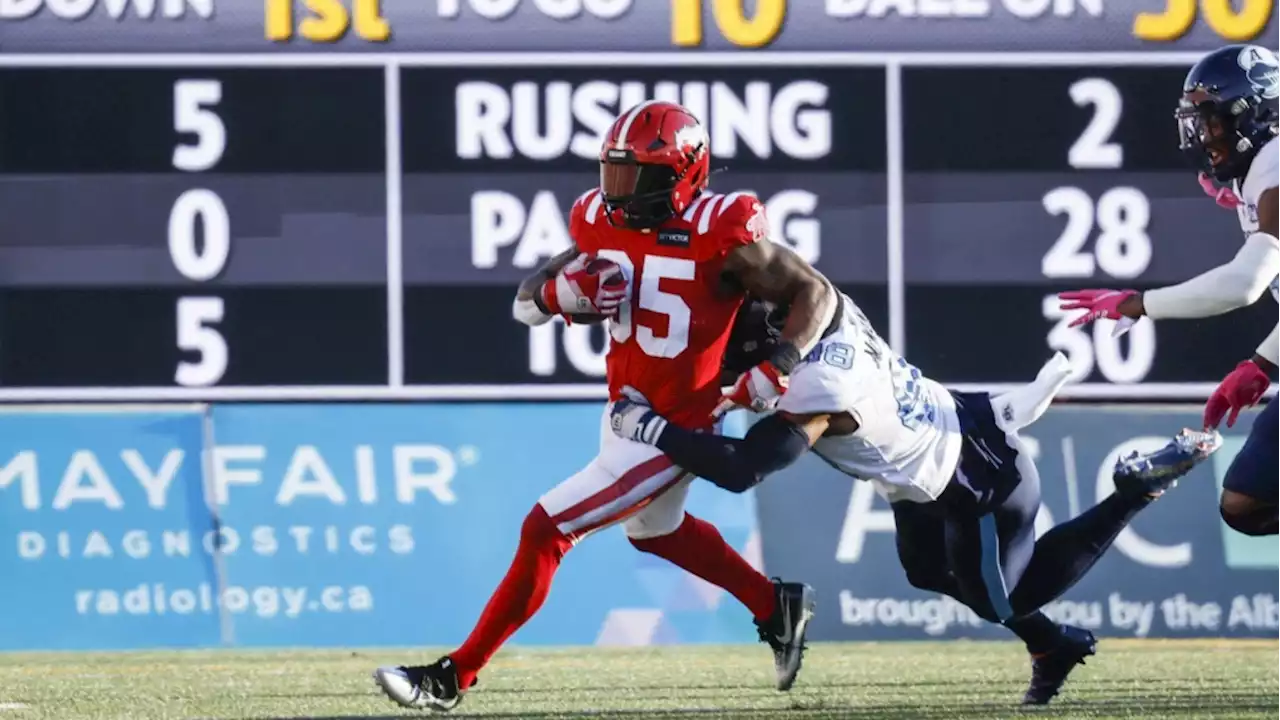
{"points": [[1243, 388], [758, 388], [1224, 196], [1098, 304], [587, 285]]}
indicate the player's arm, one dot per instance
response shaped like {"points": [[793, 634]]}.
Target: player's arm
{"points": [[529, 307], [568, 285], [1255, 267], [736, 465], [781, 277], [1267, 356], [1223, 289]]}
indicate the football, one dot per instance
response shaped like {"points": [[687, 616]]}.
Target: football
{"points": [[598, 266]]}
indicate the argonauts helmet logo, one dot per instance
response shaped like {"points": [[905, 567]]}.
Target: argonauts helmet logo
{"points": [[1262, 69]]}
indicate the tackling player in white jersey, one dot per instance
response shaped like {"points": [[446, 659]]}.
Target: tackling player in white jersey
{"points": [[963, 488], [1227, 121]]}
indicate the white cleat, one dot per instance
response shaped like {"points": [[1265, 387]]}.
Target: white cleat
{"points": [[395, 683], [421, 687], [1157, 471]]}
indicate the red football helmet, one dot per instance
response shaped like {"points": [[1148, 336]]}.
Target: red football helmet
{"points": [[654, 162]]}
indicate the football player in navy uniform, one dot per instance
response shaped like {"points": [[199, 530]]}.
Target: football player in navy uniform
{"points": [[1227, 121], [962, 485]]}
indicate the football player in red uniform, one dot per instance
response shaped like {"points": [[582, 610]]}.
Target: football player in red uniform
{"points": [[668, 263]]}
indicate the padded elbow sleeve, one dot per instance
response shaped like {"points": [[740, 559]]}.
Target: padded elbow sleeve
{"points": [[732, 464], [774, 443]]}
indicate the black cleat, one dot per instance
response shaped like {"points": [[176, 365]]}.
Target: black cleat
{"points": [[1153, 473], [1050, 670], [419, 687], [784, 631]]}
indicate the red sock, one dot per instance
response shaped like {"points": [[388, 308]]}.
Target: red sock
{"points": [[698, 547], [518, 597]]}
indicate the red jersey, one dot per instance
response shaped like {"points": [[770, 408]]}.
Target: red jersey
{"points": [[669, 339]]}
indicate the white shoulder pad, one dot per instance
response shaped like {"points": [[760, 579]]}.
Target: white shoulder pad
{"points": [[1264, 173], [817, 386]]}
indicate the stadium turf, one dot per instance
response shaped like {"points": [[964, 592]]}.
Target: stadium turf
{"points": [[892, 681]]}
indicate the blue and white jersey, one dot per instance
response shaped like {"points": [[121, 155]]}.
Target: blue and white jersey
{"points": [[908, 438], [1264, 174]]}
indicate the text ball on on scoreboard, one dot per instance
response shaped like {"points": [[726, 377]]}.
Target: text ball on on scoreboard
{"points": [[193, 227], [491, 174], [1046, 179]]}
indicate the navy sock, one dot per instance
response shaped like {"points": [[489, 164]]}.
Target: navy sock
{"points": [[1064, 554], [1036, 630]]}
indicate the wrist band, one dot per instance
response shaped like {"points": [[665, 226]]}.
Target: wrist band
{"points": [[546, 297], [528, 312], [785, 358], [1267, 350]]}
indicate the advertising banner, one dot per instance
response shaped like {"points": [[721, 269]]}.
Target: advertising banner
{"points": [[1176, 571], [366, 525], [324, 525]]}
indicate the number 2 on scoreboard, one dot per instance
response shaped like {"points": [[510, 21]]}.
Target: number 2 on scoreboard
{"points": [[1094, 149]]}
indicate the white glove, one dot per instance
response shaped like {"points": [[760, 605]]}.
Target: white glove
{"points": [[587, 285], [632, 419], [759, 389]]}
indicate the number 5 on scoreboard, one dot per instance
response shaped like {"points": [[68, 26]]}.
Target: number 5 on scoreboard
{"points": [[193, 101], [197, 318]]}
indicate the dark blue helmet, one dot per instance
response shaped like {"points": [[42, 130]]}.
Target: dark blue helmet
{"points": [[1228, 109]]}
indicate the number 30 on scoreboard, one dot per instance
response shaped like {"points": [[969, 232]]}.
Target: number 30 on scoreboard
{"points": [[1179, 15]]}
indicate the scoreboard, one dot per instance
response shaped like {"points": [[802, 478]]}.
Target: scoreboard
{"points": [[1022, 182], [312, 226]]}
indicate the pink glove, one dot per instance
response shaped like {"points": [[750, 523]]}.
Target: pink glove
{"points": [[1242, 388], [1224, 196], [1098, 303]]}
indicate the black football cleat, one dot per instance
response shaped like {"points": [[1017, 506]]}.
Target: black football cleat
{"points": [[421, 687], [1153, 473], [785, 629], [1050, 670]]}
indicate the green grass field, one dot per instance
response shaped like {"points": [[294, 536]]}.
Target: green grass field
{"points": [[893, 681]]}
